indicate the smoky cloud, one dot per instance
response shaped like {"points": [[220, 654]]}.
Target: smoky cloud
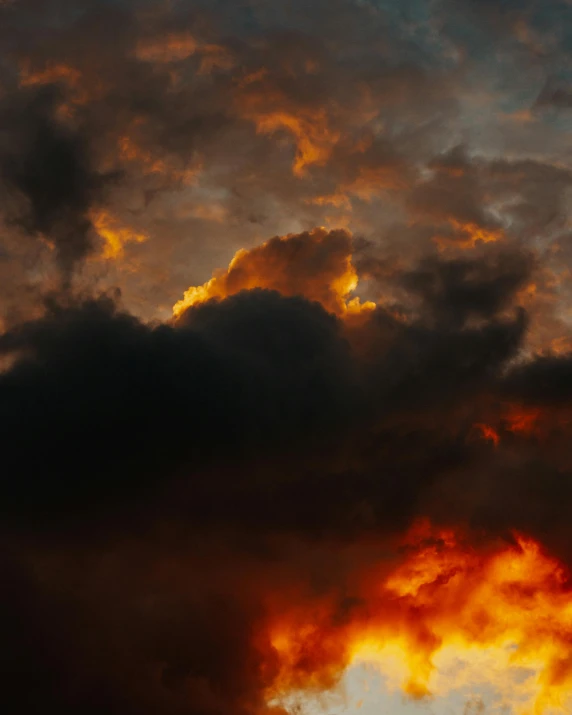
{"points": [[50, 181]]}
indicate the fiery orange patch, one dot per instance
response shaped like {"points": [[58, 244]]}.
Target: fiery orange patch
{"points": [[317, 131], [114, 234], [489, 433], [525, 422], [271, 111], [506, 608], [469, 235], [316, 265], [522, 420], [314, 139]]}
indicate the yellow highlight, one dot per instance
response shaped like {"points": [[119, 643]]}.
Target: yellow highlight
{"points": [[323, 272], [448, 617], [114, 235], [471, 234], [314, 140]]}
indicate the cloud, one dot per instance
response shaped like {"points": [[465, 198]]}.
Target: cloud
{"points": [[48, 176], [460, 289], [213, 472], [316, 264], [354, 432], [554, 94], [108, 359]]}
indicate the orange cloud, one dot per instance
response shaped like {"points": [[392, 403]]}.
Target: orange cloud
{"points": [[489, 433], [316, 264], [449, 615], [468, 235], [259, 100], [522, 420], [114, 234], [314, 139]]}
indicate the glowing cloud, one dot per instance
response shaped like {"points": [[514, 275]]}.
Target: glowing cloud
{"points": [[446, 605], [316, 264], [114, 234]]}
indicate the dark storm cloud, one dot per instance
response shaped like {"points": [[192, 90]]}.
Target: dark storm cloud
{"points": [[459, 289], [251, 419], [233, 384], [146, 404], [48, 175], [546, 381], [171, 642]]}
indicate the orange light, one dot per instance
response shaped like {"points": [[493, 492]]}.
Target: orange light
{"points": [[322, 271], [505, 608], [522, 420], [314, 139], [114, 234], [469, 235], [489, 433]]}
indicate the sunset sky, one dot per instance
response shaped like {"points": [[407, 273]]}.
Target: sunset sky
{"points": [[286, 357]]}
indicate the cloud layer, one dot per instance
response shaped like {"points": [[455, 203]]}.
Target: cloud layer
{"points": [[285, 348]]}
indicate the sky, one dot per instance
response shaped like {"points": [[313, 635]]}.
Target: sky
{"points": [[286, 357]]}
